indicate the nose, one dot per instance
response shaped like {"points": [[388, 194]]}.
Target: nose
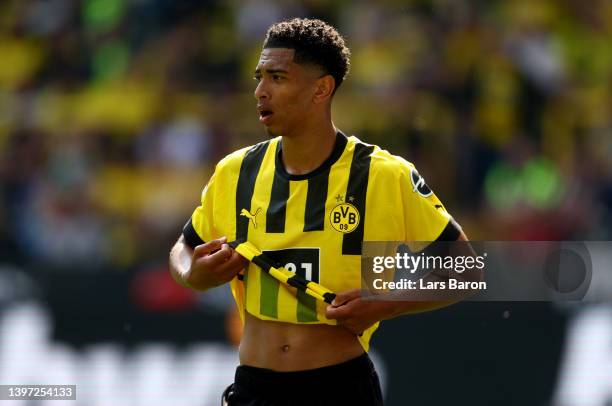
{"points": [[261, 91]]}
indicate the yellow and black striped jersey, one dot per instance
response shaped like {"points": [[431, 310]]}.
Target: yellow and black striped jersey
{"points": [[314, 224]]}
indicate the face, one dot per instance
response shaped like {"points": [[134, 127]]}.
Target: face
{"points": [[285, 91]]}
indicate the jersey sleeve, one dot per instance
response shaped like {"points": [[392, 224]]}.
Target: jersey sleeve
{"points": [[426, 218], [199, 228]]}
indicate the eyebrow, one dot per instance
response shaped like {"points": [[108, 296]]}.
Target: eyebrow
{"points": [[271, 71]]}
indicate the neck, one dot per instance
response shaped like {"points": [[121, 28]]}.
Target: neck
{"points": [[306, 151]]}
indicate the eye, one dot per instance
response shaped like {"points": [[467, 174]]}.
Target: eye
{"points": [[276, 77], [257, 78]]}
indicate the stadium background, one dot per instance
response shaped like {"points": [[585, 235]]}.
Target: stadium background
{"points": [[113, 113]]}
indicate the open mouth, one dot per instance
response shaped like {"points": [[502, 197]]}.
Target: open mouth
{"points": [[264, 115]]}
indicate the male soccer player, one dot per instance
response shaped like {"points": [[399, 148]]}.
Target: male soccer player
{"points": [[307, 197]]}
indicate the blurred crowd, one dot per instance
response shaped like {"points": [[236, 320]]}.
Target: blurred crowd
{"points": [[114, 112]]}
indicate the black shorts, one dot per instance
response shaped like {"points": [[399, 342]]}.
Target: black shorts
{"points": [[354, 382]]}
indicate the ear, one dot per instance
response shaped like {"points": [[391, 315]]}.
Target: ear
{"points": [[324, 89]]}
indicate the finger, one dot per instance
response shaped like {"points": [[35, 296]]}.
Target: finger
{"points": [[237, 260], [206, 248], [338, 313], [219, 257], [233, 265], [345, 297], [353, 326], [330, 312], [230, 268]]}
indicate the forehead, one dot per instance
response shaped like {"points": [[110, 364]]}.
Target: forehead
{"points": [[276, 58]]}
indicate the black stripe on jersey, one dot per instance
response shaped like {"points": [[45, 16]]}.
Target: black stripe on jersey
{"points": [[356, 194], [451, 232], [261, 261], [329, 297], [314, 217], [277, 209], [298, 282], [249, 169], [191, 236], [336, 153]]}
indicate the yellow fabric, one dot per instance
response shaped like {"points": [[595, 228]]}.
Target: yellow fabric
{"points": [[249, 251], [394, 211]]}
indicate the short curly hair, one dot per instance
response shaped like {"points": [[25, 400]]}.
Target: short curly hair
{"points": [[315, 42]]}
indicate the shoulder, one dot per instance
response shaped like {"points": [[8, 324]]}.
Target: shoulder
{"points": [[382, 162], [233, 161]]}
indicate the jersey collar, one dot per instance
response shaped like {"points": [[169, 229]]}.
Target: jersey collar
{"points": [[339, 146]]}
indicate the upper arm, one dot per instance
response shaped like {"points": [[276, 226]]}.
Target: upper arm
{"points": [[215, 215], [199, 228], [426, 218]]}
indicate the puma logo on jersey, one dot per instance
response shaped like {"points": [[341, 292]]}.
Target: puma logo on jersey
{"points": [[252, 217]]}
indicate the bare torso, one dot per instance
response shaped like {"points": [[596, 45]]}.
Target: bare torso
{"points": [[293, 347]]}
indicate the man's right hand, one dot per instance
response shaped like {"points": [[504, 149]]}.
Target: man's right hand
{"points": [[214, 263]]}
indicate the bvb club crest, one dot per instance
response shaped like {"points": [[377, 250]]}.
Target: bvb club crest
{"points": [[344, 218]]}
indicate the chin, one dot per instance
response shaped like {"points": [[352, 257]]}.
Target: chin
{"points": [[271, 133]]}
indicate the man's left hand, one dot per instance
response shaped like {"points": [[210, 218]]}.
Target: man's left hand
{"points": [[354, 313]]}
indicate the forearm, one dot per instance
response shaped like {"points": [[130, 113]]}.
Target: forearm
{"points": [[180, 262], [421, 299], [206, 266]]}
